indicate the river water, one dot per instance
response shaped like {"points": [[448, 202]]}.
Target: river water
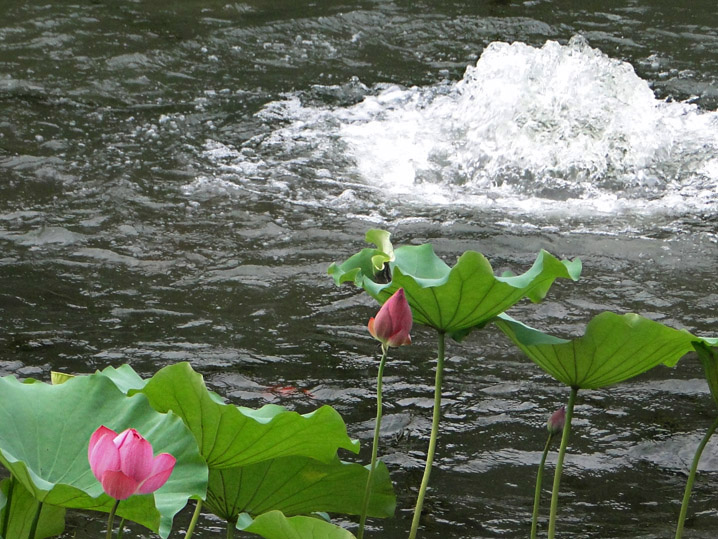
{"points": [[175, 178]]}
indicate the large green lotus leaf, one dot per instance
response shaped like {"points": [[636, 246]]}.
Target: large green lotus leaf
{"points": [[459, 299], [708, 354], [22, 512], [613, 348], [298, 485], [274, 525], [230, 436], [45, 430]]}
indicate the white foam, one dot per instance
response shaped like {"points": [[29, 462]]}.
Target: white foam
{"points": [[559, 122], [556, 128]]}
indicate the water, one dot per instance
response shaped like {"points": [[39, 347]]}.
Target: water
{"points": [[177, 176]]}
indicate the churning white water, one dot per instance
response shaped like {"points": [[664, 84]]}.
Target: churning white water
{"points": [[561, 127]]}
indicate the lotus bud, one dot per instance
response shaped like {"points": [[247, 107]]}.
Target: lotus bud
{"points": [[393, 321], [556, 421]]}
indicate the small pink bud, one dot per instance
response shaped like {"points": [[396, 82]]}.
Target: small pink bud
{"points": [[557, 420], [393, 321]]}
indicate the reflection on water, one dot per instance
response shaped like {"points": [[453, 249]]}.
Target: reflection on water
{"points": [[176, 178]]}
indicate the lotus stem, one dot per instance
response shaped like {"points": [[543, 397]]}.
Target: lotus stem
{"points": [[193, 522], [559, 463], [375, 443], [230, 529], [8, 503], [539, 480], [691, 478], [111, 519], [35, 520], [121, 529], [432, 439]]}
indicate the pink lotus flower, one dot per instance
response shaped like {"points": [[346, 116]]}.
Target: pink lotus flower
{"points": [[125, 465], [393, 321]]}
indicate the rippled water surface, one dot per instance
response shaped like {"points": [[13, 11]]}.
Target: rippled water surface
{"points": [[175, 178]]}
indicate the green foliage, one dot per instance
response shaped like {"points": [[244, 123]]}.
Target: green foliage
{"points": [[231, 436], [367, 262], [707, 350], [266, 459], [44, 434], [23, 507], [125, 378], [298, 485], [451, 300], [260, 461], [274, 525], [57, 378], [264, 470], [614, 348]]}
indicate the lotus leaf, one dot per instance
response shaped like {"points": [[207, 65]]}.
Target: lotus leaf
{"points": [[708, 354], [231, 436], [613, 348], [298, 485], [45, 430], [274, 525], [22, 511], [124, 377], [451, 300], [57, 378]]}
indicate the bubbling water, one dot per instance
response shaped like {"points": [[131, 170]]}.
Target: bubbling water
{"points": [[555, 128], [555, 123]]}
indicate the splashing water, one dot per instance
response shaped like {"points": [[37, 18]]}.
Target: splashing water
{"points": [[537, 129], [560, 122]]}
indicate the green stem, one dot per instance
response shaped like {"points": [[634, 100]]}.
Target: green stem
{"points": [[230, 529], [559, 463], [35, 520], [432, 439], [375, 443], [193, 522], [537, 493], [121, 529], [111, 519], [8, 503], [691, 478]]}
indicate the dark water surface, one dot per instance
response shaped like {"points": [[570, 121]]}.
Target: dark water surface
{"points": [[175, 178]]}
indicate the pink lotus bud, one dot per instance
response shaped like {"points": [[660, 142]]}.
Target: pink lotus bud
{"points": [[393, 321], [557, 420], [124, 464]]}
